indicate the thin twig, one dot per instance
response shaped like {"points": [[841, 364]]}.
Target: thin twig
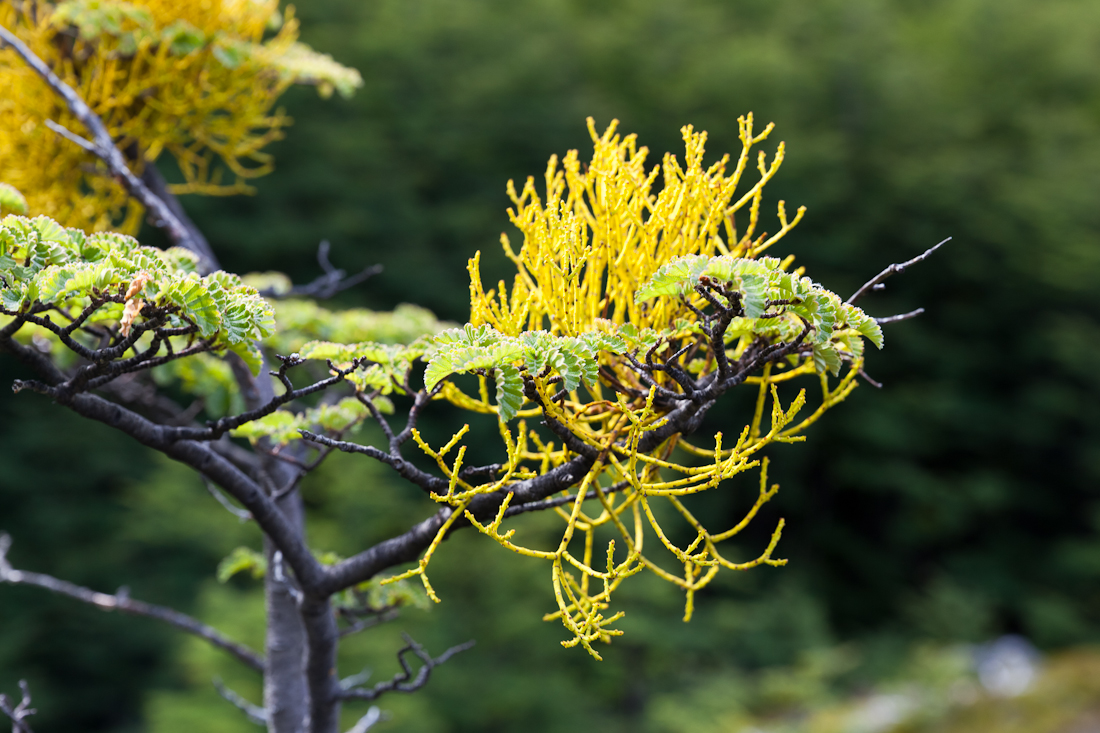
{"points": [[404, 468], [356, 679], [899, 317], [536, 506], [241, 514], [217, 428], [20, 712], [869, 380], [368, 721], [369, 623], [254, 713], [404, 681], [122, 602], [73, 137], [333, 281], [875, 283]]}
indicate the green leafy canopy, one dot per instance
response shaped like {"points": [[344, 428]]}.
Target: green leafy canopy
{"points": [[43, 264]]}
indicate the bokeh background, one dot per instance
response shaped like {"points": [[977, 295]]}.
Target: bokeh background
{"points": [[959, 503]]}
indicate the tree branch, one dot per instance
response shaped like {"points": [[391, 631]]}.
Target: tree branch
{"points": [[406, 470], [254, 713], [875, 283], [242, 515], [404, 681], [217, 428], [103, 146], [333, 280], [368, 721], [122, 602], [900, 317]]}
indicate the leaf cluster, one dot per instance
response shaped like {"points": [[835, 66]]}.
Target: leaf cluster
{"points": [[775, 303], [103, 279]]}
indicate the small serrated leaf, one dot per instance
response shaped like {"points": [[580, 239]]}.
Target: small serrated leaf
{"points": [[509, 391], [438, 368], [675, 277], [826, 359]]}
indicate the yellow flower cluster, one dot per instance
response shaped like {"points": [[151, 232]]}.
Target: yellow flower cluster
{"points": [[195, 78]]}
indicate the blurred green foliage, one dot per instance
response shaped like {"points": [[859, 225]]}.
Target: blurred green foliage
{"points": [[971, 508]]}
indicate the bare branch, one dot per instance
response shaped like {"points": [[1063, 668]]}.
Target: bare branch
{"points": [[900, 317], [198, 456], [73, 137], [368, 721], [333, 280], [404, 681], [356, 679], [103, 146], [369, 623], [241, 514], [406, 470], [869, 380], [875, 283], [254, 713], [122, 602], [20, 712], [217, 428]]}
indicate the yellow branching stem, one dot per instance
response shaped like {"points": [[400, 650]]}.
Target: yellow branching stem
{"points": [[633, 310], [196, 78]]}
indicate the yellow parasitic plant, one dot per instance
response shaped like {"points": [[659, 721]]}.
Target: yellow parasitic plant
{"points": [[195, 78], [633, 310]]}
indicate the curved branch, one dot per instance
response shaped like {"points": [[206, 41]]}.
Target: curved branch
{"points": [[404, 681], [103, 146], [254, 713], [121, 601]]}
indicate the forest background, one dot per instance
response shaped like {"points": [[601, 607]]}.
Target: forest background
{"points": [[958, 503]]}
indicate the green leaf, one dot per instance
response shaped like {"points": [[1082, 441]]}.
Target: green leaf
{"points": [[439, 367], [573, 368], [250, 354], [509, 391], [754, 294], [328, 351], [339, 417], [865, 324], [675, 277], [230, 54], [11, 199], [280, 427], [826, 359], [242, 559], [205, 376], [183, 38]]}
